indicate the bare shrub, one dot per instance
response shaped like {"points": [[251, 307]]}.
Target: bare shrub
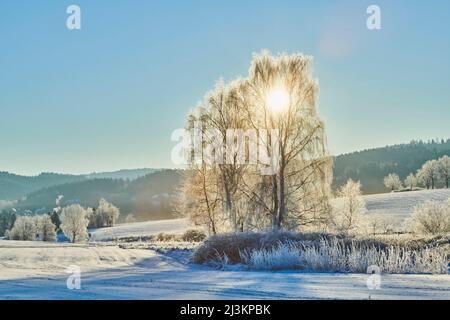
{"points": [[431, 218], [193, 235], [166, 237], [235, 244]]}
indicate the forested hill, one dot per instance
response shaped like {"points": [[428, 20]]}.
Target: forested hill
{"points": [[14, 187], [371, 166], [148, 197]]}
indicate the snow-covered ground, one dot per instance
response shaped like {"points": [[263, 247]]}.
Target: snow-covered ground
{"points": [[174, 226], [31, 270], [37, 270], [399, 205]]}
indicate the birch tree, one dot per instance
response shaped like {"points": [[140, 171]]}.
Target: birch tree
{"points": [[392, 182], [46, 230], [74, 222], [24, 229], [444, 169], [350, 209], [284, 94], [429, 173], [411, 181]]}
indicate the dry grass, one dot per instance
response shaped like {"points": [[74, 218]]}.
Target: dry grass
{"points": [[321, 252]]}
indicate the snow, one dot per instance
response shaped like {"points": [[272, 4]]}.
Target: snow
{"points": [[36, 270], [399, 205], [174, 226]]}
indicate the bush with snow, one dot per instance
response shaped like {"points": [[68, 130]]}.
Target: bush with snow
{"points": [[336, 256], [24, 229], [321, 252], [233, 244], [431, 217]]}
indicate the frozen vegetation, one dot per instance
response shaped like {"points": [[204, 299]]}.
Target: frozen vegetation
{"points": [[153, 270], [36, 270]]}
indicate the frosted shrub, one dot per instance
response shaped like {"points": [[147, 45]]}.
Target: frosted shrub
{"points": [[430, 218], [335, 255], [24, 229]]}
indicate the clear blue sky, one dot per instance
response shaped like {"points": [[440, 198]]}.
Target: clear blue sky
{"points": [[108, 96]]}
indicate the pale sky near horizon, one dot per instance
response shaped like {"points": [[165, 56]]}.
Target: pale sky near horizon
{"points": [[108, 96]]}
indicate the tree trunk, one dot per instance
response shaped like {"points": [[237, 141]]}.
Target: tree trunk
{"points": [[282, 206], [275, 203], [229, 207], [208, 207]]}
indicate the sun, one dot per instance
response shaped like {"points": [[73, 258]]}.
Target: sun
{"points": [[277, 100]]}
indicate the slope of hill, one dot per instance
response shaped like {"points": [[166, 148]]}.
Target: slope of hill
{"points": [[137, 229], [125, 174], [13, 187], [371, 166], [398, 206], [147, 197]]}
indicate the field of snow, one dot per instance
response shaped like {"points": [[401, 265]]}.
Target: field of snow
{"points": [[399, 205], [37, 270], [174, 226], [31, 270]]}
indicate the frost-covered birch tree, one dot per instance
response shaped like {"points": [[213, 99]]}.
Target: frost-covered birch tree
{"points": [[429, 173], [444, 170], [46, 230], [284, 95], [392, 182], [292, 189], [24, 229], [74, 222], [106, 213], [411, 181], [350, 208]]}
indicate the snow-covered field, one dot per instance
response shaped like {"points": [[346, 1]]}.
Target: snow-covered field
{"points": [[399, 205], [31, 270], [138, 229], [37, 270]]}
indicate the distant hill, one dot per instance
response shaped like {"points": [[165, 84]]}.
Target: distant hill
{"points": [[371, 166], [148, 193], [148, 197], [125, 174], [13, 187]]}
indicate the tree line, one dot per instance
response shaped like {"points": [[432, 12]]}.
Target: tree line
{"points": [[73, 221], [429, 175]]}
